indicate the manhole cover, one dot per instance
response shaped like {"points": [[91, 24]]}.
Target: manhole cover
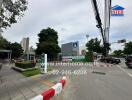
{"points": [[97, 72]]}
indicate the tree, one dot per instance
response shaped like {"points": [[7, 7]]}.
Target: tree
{"points": [[10, 10], [15, 47], [4, 44], [48, 43], [105, 49], [118, 53], [128, 48], [94, 45], [17, 50]]}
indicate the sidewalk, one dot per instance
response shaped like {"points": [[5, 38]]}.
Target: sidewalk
{"points": [[15, 86]]}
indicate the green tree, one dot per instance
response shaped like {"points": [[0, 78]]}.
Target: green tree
{"points": [[15, 47], [89, 56], [4, 44], [93, 46], [17, 50], [48, 43], [10, 10], [118, 53], [128, 48]]}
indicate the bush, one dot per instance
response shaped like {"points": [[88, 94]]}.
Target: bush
{"points": [[25, 65], [89, 56]]}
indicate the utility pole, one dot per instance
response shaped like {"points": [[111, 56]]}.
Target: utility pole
{"points": [[105, 29], [87, 36]]}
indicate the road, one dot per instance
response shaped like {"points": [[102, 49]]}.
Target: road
{"points": [[106, 83], [100, 82]]}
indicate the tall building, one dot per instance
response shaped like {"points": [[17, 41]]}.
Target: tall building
{"points": [[25, 44], [70, 49]]}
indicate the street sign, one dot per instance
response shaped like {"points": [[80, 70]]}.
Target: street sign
{"points": [[122, 41]]}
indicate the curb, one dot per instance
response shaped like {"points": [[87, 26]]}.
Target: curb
{"points": [[55, 90]]}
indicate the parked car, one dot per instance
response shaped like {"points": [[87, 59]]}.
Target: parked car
{"points": [[129, 61], [116, 60], [110, 60]]}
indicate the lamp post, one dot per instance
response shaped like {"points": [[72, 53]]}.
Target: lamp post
{"points": [[87, 36]]}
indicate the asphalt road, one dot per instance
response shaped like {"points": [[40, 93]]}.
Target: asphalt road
{"points": [[106, 83]]}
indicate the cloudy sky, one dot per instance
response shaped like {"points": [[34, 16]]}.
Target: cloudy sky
{"points": [[72, 19]]}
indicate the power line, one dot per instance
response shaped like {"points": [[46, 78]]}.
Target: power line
{"points": [[97, 16], [106, 26]]}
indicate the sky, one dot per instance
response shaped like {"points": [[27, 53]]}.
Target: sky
{"points": [[72, 19]]}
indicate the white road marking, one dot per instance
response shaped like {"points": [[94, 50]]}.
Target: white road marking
{"points": [[129, 74]]}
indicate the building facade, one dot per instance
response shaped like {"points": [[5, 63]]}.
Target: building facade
{"points": [[70, 49], [25, 44], [83, 52]]}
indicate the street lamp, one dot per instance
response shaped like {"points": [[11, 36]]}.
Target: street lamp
{"points": [[87, 36]]}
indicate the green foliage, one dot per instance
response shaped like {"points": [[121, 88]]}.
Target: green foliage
{"points": [[128, 48], [48, 43], [105, 49], [15, 47], [94, 45], [89, 56], [118, 53], [17, 50], [25, 65], [48, 35], [4, 44], [10, 11]]}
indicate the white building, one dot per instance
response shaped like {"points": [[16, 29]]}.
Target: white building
{"points": [[25, 44]]}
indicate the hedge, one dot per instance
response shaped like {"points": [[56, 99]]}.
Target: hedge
{"points": [[25, 65]]}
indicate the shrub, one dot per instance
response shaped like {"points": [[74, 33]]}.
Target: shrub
{"points": [[25, 65], [89, 56]]}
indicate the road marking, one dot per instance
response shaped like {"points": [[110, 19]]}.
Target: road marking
{"points": [[129, 74]]}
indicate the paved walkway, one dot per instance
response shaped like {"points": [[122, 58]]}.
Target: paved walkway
{"points": [[15, 86]]}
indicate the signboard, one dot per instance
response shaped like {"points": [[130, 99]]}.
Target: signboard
{"points": [[44, 63], [117, 11], [71, 58]]}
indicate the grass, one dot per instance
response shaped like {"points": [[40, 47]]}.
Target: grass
{"points": [[33, 72]]}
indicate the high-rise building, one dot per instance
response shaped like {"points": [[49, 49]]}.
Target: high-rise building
{"points": [[25, 44], [70, 49]]}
